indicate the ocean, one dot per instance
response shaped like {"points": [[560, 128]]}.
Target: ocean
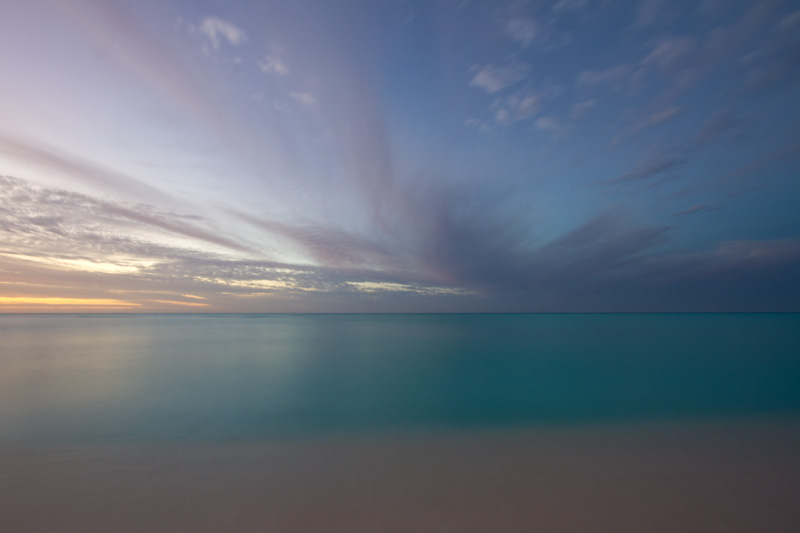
{"points": [[134, 378]]}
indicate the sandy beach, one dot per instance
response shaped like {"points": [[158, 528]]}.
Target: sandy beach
{"points": [[722, 475]]}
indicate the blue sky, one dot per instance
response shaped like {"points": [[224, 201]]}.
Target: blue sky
{"points": [[377, 156]]}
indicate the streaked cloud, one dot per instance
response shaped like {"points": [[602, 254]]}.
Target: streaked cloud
{"points": [[304, 98], [516, 107], [521, 30], [697, 208], [663, 116], [216, 29], [653, 166], [551, 125], [494, 78], [273, 64], [580, 109], [563, 6], [790, 22], [648, 12], [362, 164], [668, 53], [616, 77]]}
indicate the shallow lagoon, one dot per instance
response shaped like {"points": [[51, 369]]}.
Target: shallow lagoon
{"points": [[120, 378]]}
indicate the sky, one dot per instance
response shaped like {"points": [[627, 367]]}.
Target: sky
{"points": [[399, 156]]}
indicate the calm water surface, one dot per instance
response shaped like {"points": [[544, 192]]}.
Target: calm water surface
{"points": [[87, 378]]}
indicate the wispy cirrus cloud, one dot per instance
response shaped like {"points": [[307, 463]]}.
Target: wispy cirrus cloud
{"points": [[648, 122], [721, 43], [724, 124], [617, 78], [331, 246], [698, 208], [551, 125], [494, 78], [521, 105], [647, 13], [56, 238], [521, 30], [335, 183], [669, 53], [655, 165], [564, 6], [216, 29], [273, 64], [304, 98], [80, 169], [461, 249], [582, 108], [60, 213], [516, 107]]}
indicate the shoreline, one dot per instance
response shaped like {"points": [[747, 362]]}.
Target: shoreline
{"points": [[732, 474]]}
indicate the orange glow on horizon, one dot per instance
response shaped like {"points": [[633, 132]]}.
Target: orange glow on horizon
{"points": [[189, 304], [63, 302]]}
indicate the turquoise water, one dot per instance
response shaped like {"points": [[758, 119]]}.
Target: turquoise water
{"points": [[87, 378]]}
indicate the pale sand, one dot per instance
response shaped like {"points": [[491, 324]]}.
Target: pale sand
{"points": [[704, 476]]}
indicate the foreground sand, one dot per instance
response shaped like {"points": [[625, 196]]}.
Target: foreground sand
{"points": [[704, 476]]}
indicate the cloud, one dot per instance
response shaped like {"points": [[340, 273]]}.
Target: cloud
{"points": [[749, 176], [733, 276], [468, 252], [331, 246], [517, 107], [581, 109], [697, 208], [723, 125], [60, 214], [719, 44], [617, 77], [563, 6], [609, 242], [748, 253], [81, 170], [649, 168], [521, 30], [663, 116], [273, 64], [492, 78], [790, 22], [713, 8], [215, 28], [63, 244], [523, 104], [648, 122], [551, 125], [775, 60], [304, 98], [669, 53], [647, 13]]}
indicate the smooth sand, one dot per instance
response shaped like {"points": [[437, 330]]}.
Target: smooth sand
{"points": [[704, 476]]}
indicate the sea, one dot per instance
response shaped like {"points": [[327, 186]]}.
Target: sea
{"points": [[216, 378]]}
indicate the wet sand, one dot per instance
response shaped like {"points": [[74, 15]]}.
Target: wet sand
{"points": [[704, 476]]}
